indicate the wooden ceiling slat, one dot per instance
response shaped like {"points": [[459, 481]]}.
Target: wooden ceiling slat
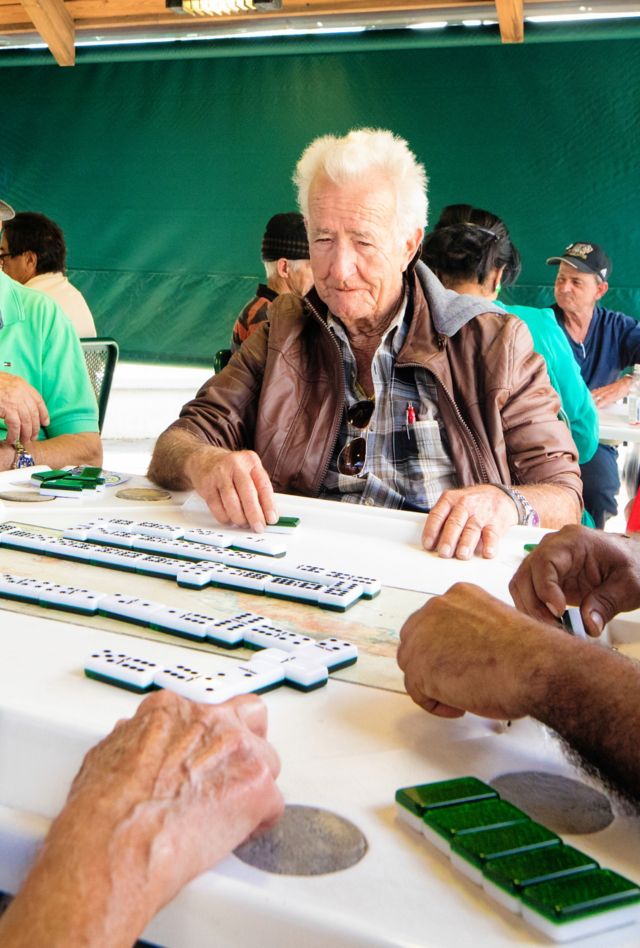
{"points": [[511, 20], [54, 24]]}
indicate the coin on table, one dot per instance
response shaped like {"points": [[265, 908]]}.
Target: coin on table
{"points": [[24, 496], [143, 493]]}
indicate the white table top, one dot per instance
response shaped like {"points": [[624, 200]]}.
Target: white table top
{"points": [[614, 426], [346, 748]]}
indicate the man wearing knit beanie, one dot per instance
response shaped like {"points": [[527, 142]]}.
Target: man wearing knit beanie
{"points": [[285, 254]]}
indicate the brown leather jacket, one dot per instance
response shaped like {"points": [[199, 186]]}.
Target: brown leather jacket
{"points": [[282, 395]]}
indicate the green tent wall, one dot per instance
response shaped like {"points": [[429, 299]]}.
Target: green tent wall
{"points": [[163, 171]]}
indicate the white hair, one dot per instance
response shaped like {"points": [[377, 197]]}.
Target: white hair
{"points": [[358, 153], [271, 266]]}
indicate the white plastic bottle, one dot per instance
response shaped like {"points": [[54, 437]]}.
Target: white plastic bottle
{"points": [[633, 397]]}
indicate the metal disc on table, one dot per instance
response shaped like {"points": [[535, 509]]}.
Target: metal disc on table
{"points": [[143, 493], [25, 496], [307, 841], [562, 804]]}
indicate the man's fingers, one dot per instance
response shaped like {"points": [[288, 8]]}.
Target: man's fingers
{"points": [[490, 539], [469, 539], [434, 522], [252, 711], [266, 497]]}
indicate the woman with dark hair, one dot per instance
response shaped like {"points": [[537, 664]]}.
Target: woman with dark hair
{"points": [[471, 252]]}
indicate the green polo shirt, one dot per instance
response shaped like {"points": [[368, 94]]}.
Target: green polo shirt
{"points": [[564, 375], [38, 343]]}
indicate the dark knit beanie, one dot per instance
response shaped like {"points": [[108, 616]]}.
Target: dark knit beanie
{"points": [[285, 236]]}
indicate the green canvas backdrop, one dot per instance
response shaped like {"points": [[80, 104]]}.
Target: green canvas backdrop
{"points": [[163, 173]]}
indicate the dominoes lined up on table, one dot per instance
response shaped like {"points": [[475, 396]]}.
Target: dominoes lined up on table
{"points": [[520, 863], [304, 667], [197, 558], [244, 629]]}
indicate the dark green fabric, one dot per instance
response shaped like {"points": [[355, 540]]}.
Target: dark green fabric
{"points": [[164, 172]]}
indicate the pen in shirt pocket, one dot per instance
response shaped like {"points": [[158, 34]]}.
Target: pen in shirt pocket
{"points": [[409, 418]]}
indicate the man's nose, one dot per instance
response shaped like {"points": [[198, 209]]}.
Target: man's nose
{"points": [[343, 261]]}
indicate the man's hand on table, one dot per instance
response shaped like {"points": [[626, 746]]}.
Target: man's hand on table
{"points": [[466, 651], [469, 519], [600, 572], [22, 408], [234, 485], [165, 796], [609, 394]]}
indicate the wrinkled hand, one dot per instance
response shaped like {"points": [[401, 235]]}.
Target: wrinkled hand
{"points": [[609, 394], [466, 651], [600, 572], [22, 408], [235, 486], [178, 786], [467, 519]]}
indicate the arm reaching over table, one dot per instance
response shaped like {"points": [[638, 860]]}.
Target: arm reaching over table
{"points": [[466, 651], [165, 796], [600, 572]]}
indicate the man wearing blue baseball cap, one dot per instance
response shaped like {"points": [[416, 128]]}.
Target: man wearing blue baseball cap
{"points": [[604, 343]]}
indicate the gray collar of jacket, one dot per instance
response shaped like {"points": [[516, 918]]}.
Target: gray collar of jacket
{"points": [[450, 311]]}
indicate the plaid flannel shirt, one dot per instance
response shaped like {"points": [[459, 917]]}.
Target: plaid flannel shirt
{"points": [[406, 464]]}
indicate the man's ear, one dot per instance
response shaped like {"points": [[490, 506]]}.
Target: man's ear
{"points": [[413, 245], [603, 286], [31, 262], [282, 266]]}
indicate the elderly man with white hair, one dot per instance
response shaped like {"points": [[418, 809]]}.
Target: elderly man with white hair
{"points": [[379, 387]]}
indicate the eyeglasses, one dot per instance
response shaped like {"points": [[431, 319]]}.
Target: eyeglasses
{"points": [[353, 457]]}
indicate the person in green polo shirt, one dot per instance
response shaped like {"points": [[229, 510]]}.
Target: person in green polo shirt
{"points": [[48, 411]]}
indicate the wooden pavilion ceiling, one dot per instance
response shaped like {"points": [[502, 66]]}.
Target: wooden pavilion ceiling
{"points": [[62, 23]]}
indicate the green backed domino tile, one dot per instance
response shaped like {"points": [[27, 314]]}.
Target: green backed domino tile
{"points": [[94, 472], [96, 676], [443, 825], [517, 872], [66, 484], [49, 475], [583, 894], [581, 905], [430, 796], [480, 847]]}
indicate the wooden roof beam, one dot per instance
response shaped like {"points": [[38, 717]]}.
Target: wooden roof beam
{"points": [[54, 24], [511, 20]]}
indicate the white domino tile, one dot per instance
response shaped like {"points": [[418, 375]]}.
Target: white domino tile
{"points": [[230, 578], [256, 676], [227, 633], [80, 531], [210, 537], [149, 528], [111, 556], [252, 618], [308, 571], [25, 539], [65, 494], [259, 543], [334, 653], [192, 625], [339, 596], [120, 538], [198, 685], [194, 575], [299, 589], [259, 637], [134, 673], [157, 565], [119, 523], [70, 549], [21, 587], [297, 673], [72, 598], [371, 586], [121, 606]]}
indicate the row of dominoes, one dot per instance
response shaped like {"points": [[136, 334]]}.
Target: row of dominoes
{"points": [[174, 537], [305, 670], [215, 546], [337, 593], [520, 863], [244, 629]]}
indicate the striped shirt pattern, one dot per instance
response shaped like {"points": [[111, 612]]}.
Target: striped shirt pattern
{"points": [[404, 461]]}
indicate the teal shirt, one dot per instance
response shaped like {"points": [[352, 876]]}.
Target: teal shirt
{"points": [[38, 343], [577, 404]]}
